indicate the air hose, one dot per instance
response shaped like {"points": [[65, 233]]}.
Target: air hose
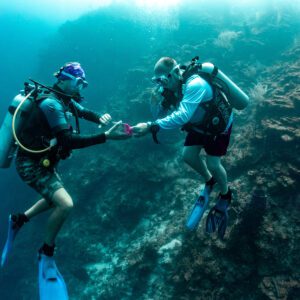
{"points": [[14, 127]]}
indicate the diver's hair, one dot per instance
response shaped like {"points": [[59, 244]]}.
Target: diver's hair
{"points": [[165, 64]]}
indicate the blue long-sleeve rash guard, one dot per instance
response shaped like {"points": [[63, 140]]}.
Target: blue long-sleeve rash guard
{"points": [[195, 91], [58, 117]]}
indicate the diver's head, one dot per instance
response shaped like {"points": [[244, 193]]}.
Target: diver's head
{"points": [[71, 78], [167, 73]]}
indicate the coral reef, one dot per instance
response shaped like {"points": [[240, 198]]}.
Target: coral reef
{"points": [[142, 250], [226, 38], [126, 238]]}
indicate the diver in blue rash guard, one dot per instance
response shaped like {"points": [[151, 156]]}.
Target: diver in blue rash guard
{"points": [[193, 97], [52, 121]]}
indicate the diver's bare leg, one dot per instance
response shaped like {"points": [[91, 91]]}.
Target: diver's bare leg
{"points": [[63, 205], [39, 207], [191, 155], [218, 171]]}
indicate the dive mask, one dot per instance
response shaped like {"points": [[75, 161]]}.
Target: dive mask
{"points": [[78, 81], [163, 80]]}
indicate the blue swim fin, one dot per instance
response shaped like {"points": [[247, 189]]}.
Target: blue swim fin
{"points": [[217, 218], [51, 283], [199, 207], [11, 234]]}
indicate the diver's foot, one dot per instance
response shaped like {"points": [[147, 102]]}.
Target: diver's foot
{"points": [[15, 222], [47, 250], [200, 205], [19, 220], [51, 282], [210, 184], [227, 196], [49, 267], [217, 218]]}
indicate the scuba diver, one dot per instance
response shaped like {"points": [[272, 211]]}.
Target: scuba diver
{"points": [[48, 127], [202, 98]]}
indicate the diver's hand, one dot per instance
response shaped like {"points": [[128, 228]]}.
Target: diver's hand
{"points": [[117, 132], [140, 129], [105, 119]]}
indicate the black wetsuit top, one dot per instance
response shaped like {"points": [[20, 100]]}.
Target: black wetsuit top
{"points": [[57, 111]]}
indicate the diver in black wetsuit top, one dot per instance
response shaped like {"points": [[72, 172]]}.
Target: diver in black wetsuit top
{"points": [[38, 170]]}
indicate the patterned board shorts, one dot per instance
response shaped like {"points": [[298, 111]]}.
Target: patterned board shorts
{"points": [[43, 180]]}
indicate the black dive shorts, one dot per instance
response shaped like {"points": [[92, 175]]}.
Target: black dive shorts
{"points": [[213, 145], [44, 180]]}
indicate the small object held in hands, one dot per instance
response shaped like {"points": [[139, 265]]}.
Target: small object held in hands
{"points": [[117, 132], [127, 129]]}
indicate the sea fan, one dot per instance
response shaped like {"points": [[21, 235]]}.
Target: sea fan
{"points": [[226, 38], [258, 92]]}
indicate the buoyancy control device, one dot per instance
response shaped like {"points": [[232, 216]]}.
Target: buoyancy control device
{"points": [[18, 114], [226, 96], [235, 96]]}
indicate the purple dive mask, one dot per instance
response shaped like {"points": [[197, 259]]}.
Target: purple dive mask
{"points": [[72, 71]]}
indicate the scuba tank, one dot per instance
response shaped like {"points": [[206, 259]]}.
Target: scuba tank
{"points": [[8, 144], [18, 113], [235, 96]]}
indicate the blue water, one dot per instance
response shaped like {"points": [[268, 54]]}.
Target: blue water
{"points": [[114, 45], [22, 38]]}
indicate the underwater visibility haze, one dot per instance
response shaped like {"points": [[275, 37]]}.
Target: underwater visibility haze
{"points": [[127, 236]]}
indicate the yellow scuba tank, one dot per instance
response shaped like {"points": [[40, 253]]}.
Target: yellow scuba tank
{"points": [[235, 96]]}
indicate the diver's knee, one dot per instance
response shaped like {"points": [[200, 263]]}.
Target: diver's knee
{"points": [[189, 155], [213, 164], [65, 209], [68, 206], [63, 201]]}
